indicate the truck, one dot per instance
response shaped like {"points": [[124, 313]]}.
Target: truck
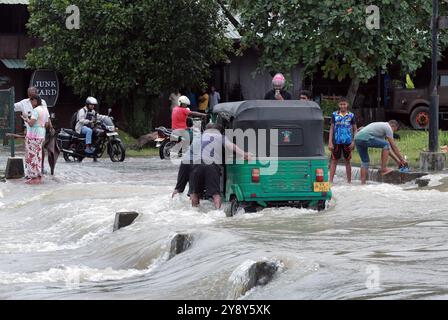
{"points": [[412, 105]]}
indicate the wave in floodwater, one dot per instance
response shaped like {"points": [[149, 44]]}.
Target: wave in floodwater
{"points": [[57, 242]]}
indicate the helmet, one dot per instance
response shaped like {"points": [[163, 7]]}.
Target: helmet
{"points": [[91, 100], [184, 100], [278, 80]]}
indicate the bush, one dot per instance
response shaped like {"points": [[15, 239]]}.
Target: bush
{"points": [[328, 107]]}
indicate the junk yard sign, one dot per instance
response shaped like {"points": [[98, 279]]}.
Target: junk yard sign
{"points": [[47, 83]]}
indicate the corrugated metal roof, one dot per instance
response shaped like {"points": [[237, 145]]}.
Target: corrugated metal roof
{"points": [[15, 2], [232, 33], [14, 63]]}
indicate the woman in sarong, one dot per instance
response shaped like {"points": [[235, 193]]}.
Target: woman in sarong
{"points": [[35, 136]]}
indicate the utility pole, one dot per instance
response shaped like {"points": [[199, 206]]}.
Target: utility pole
{"points": [[434, 110], [433, 159]]}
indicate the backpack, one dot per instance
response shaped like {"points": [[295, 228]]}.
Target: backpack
{"points": [[74, 120]]}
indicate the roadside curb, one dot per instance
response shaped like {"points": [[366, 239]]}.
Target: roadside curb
{"points": [[395, 177]]}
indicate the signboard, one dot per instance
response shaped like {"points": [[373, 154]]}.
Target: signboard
{"points": [[47, 83]]}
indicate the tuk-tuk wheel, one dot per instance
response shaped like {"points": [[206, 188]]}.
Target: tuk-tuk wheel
{"points": [[321, 205], [232, 207]]}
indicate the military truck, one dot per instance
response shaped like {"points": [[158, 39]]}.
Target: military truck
{"points": [[412, 105]]}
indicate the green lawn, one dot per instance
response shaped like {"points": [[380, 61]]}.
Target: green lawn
{"points": [[411, 143], [129, 142]]}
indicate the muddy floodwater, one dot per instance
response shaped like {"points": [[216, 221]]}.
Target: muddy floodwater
{"points": [[377, 241]]}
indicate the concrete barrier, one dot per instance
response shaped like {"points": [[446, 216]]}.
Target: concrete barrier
{"points": [[432, 161], [14, 168], [249, 275], [180, 242], [395, 177], [124, 219]]}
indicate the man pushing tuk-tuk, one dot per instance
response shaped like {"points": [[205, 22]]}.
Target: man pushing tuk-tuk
{"points": [[206, 176]]}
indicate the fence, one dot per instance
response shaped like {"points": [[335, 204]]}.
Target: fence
{"points": [[7, 117]]}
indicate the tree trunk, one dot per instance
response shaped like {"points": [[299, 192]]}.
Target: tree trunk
{"points": [[140, 110], [353, 91]]}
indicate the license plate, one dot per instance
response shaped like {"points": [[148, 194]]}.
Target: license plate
{"points": [[321, 186], [110, 134]]}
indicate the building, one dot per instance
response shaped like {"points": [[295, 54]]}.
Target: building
{"points": [[15, 43]]}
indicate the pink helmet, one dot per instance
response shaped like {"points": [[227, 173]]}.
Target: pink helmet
{"points": [[278, 80]]}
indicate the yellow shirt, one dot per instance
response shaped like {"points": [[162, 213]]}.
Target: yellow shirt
{"points": [[203, 105]]}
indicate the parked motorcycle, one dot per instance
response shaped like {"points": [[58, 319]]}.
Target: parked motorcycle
{"points": [[166, 140], [104, 138]]}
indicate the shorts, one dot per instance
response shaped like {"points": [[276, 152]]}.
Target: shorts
{"points": [[363, 149], [341, 149], [206, 177]]}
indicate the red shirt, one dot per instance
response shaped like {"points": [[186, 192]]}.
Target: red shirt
{"points": [[179, 118]]}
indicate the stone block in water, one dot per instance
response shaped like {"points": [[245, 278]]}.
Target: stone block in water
{"points": [[180, 243], [421, 182], [124, 219], [249, 275], [14, 168]]}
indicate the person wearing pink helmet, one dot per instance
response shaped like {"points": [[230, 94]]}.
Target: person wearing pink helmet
{"points": [[278, 93]]}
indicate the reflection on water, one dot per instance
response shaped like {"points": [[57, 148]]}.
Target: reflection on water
{"points": [[56, 241]]}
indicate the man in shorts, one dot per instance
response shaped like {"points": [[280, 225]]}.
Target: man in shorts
{"points": [[341, 138], [207, 175]]}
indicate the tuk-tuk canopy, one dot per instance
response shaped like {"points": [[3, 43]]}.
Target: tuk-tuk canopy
{"points": [[299, 123], [267, 108]]}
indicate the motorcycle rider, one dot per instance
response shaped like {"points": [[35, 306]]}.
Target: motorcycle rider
{"points": [[179, 121], [86, 117]]}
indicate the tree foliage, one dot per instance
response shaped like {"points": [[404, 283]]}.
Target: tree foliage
{"points": [[333, 34], [129, 50]]}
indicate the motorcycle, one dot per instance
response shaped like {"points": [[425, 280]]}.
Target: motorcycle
{"points": [[166, 140], [104, 138]]}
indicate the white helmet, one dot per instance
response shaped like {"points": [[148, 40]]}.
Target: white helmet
{"points": [[91, 100], [184, 100]]}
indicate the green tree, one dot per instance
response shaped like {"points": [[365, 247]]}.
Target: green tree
{"points": [[333, 34], [129, 52]]}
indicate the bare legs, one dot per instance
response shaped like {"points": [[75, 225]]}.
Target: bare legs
{"points": [[364, 175], [217, 201], [348, 170], [384, 158], [195, 200], [333, 165]]}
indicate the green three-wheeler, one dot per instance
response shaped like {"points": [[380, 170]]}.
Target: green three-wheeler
{"points": [[289, 167]]}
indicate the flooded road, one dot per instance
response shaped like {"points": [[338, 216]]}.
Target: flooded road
{"points": [[56, 242]]}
